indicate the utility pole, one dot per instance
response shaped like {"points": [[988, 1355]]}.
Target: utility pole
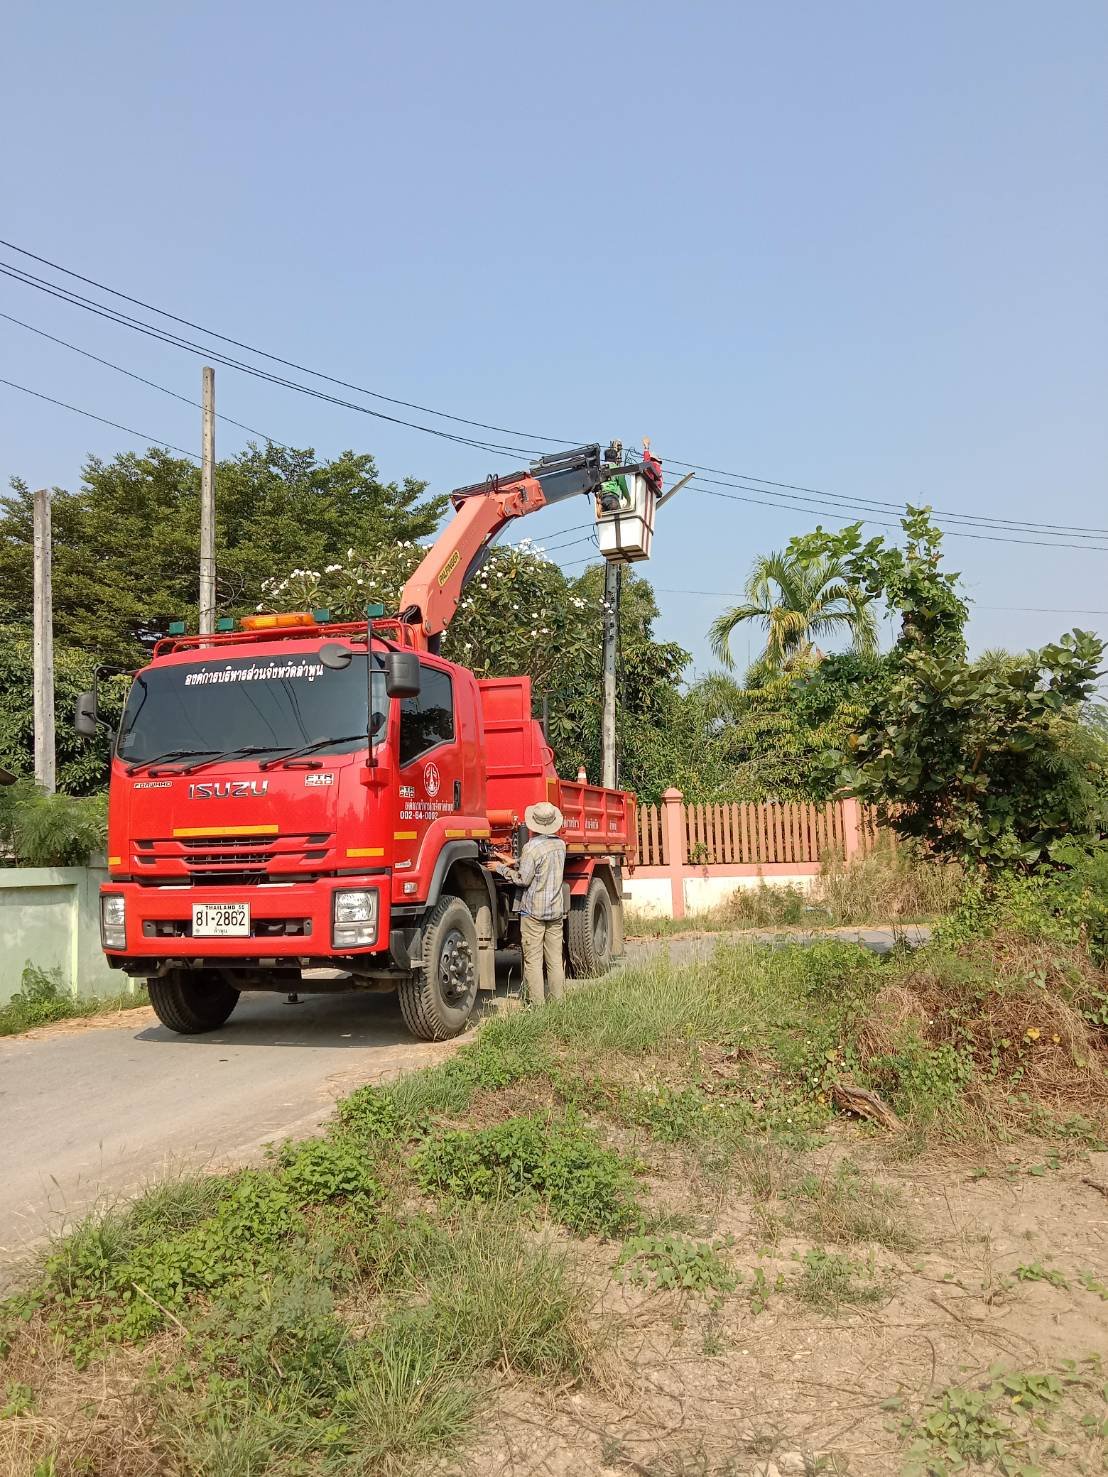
{"points": [[207, 508], [613, 582], [43, 655]]}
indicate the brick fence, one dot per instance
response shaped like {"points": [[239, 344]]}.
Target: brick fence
{"points": [[779, 841]]}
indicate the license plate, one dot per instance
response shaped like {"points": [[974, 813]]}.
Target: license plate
{"points": [[220, 920]]}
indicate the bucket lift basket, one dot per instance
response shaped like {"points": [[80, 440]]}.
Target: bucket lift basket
{"points": [[625, 507]]}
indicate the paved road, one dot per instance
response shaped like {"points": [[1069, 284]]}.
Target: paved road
{"points": [[92, 1111]]}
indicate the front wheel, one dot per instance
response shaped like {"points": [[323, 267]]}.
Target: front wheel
{"points": [[589, 932], [437, 1001], [191, 1001]]}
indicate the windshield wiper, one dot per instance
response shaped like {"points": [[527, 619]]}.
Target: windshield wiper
{"points": [[311, 748], [219, 756], [169, 754]]}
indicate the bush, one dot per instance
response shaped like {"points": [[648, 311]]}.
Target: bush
{"points": [[43, 830]]}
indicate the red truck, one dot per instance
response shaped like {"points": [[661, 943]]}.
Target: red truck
{"points": [[301, 805]]}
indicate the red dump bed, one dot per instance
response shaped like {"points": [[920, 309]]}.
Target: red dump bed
{"points": [[521, 773]]}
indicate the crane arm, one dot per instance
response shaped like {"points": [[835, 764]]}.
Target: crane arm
{"points": [[481, 512]]}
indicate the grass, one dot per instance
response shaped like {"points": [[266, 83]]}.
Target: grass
{"points": [[889, 885], [43, 998], [350, 1307]]}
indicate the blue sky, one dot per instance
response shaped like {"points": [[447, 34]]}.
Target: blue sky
{"points": [[857, 247]]}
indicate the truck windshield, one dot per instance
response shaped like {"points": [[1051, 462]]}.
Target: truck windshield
{"points": [[272, 703]]}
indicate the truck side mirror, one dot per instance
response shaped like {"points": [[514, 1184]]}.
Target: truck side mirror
{"points": [[402, 674], [85, 717]]}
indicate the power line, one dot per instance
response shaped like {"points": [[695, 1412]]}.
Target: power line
{"points": [[765, 485], [745, 477], [125, 320], [140, 435], [276, 358], [885, 523], [1016, 609], [153, 384]]}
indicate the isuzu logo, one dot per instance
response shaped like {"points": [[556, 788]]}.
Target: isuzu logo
{"points": [[228, 789]]}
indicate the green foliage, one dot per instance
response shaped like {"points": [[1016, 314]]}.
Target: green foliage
{"points": [[559, 1162], [675, 1262], [82, 764], [984, 762], [43, 830], [43, 997], [276, 507], [521, 614], [797, 600], [990, 1427]]}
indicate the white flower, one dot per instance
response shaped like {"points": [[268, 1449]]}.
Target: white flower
{"points": [[350, 553]]}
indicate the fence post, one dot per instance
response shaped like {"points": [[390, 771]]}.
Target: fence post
{"points": [[673, 825], [852, 829]]}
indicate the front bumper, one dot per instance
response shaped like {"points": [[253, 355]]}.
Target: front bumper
{"points": [[286, 921]]}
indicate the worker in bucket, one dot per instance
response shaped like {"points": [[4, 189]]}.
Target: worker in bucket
{"points": [[539, 872]]}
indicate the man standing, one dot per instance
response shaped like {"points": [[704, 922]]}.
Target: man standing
{"points": [[541, 865]]}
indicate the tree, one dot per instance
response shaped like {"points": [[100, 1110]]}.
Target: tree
{"points": [[126, 541], [796, 601], [521, 614], [987, 762]]}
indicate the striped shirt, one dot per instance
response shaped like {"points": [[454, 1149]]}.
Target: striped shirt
{"points": [[541, 864]]}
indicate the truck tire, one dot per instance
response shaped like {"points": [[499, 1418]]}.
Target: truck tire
{"points": [[437, 1001], [589, 932], [192, 1001]]}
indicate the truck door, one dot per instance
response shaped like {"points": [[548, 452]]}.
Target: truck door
{"points": [[429, 768]]}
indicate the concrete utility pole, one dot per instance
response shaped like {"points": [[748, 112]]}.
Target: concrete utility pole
{"points": [[207, 508], [43, 644], [613, 582]]}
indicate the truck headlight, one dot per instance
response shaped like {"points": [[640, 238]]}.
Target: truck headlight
{"points": [[354, 919], [113, 920]]}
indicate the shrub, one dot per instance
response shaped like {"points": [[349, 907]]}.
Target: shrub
{"points": [[44, 830]]}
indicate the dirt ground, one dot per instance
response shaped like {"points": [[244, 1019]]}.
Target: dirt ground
{"points": [[725, 1390]]}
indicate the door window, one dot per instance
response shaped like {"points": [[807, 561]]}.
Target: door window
{"points": [[427, 720]]}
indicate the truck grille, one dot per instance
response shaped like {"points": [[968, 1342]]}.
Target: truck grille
{"points": [[232, 861]]}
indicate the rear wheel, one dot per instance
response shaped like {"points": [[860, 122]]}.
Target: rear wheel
{"points": [[438, 1000], [190, 1001], [589, 932]]}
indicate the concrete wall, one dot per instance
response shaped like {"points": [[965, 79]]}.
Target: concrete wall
{"points": [[702, 888], [50, 917]]}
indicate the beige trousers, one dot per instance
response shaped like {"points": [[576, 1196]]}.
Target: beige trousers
{"points": [[542, 942]]}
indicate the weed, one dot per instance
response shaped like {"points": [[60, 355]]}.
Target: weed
{"points": [[1092, 1283], [587, 1187], [829, 1280], [1036, 1272], [43, 997], [18, 1399], [975, 1426], [675, 1262], [761, 1288]]}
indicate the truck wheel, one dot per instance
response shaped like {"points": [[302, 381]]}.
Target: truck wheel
{"points": [[589, 932], [437, 1001], [192, 1001]]}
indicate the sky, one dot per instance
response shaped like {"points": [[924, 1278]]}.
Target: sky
{"points": [[857, 248]]}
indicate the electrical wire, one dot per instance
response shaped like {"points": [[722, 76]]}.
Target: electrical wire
{"points": [[153, 384], [764, 485], [276, 358], [140, 435], [882, 505], [1014, 609], [885, 523], [202, 351]]}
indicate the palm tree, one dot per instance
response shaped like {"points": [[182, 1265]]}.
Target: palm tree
{"points": [[796, 600]]}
